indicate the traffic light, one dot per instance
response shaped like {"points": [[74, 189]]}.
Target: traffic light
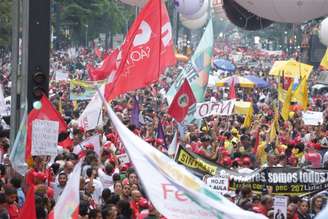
{"points": [[38, 45]]}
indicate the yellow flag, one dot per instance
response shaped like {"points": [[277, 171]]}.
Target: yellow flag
{"points": [[248, 118], [301, 93], [75, 105], [281, 93], [274, 126], [60, 106], [324, 61], [286, 105]]}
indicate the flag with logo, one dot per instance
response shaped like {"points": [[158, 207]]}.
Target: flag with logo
{"points": [[68, 202], [91, 117], [183, 99], [196, 70], [146, 51], [324, 61], [17, 153], [173, 190]]}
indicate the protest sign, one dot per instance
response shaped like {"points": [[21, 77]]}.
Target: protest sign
{"points": [[81, 90], [61, 75], [223, 108], [284, 180], [312, 118], [220, 184], [44, 137], [123, 158], [280, 207]]}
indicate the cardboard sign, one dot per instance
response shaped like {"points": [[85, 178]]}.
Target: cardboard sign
{"points": [[280, 207], [205, 109], [61, 75], [312, 118], [123, 158], [44, 137], [219, 184]]}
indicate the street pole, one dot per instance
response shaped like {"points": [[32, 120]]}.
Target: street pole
{"points": [[15, 73]]}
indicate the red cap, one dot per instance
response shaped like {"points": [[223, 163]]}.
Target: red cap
{"points": [[143, 203], [238, 160], [227, 161], [159, 141], [89, 146], [246, 161]]}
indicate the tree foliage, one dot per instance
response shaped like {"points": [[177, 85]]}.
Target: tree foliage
{"points": [[5, 23], [93, 17]]}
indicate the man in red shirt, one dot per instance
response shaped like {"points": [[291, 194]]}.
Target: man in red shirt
{"points": [[11, 205]]}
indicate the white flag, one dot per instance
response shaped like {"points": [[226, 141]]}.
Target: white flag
{"points": [[17, 153], [173, 146], [68, 202], [173, 190], [92, 114], [94, 140]]}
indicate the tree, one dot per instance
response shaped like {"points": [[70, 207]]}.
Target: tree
{"points": [[88, 18], [5, 24]]}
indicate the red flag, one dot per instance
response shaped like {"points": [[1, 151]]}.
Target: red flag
{"points": [[28, 210], [232, 91], [257, 141], [47, 112], [146, 51], [108, 66], [183, 99]]}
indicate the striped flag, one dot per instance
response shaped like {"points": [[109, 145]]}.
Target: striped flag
{"points": [[67, 205]]}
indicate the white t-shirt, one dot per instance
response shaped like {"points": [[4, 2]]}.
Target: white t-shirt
{"points": [[105, 179]]}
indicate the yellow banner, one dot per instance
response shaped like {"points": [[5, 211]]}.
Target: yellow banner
{"points": [[195, 163]]}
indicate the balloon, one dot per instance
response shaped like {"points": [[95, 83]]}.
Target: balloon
{"points": [[139, 3], [188, 7], [200, 13], [37, 105], [323, 32], [194, 24], [291, 11]]}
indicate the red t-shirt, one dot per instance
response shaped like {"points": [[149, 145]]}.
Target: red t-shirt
{"points": [[13, 211]]}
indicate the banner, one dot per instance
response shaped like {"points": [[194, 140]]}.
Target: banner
{"points": [[312, 118], [284, 180], [222, 108], [81, 90], [61, 75]]}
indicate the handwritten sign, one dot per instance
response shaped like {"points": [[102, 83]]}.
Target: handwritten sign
{"points": [[220, 184], [312, 118], [205, 109], [44, 137], [280, 207], [123, 158]]}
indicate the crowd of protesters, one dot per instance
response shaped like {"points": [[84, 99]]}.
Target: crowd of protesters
{"points": [[110, 189]]}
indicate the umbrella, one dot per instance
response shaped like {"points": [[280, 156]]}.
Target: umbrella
{"points": [[224, 65], [249, 81], [259, 82], [290, 68]]}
